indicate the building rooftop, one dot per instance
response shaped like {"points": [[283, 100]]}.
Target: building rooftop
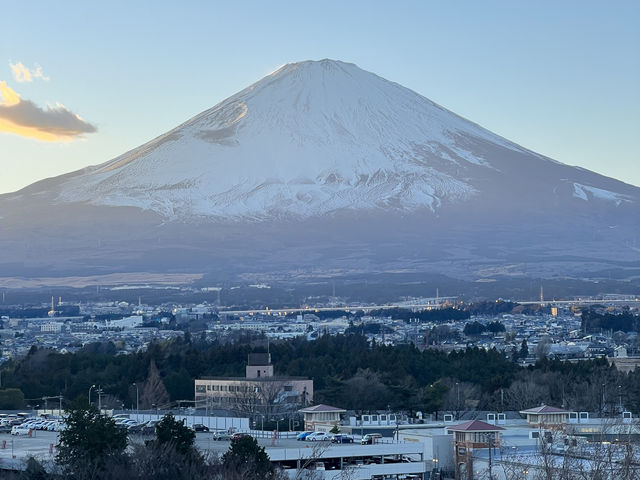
{"points": [[321, 408], [475, 426], [544, 409], [256, 379]]}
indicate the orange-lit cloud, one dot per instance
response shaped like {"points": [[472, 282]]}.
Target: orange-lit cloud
{"points": [[25, 118], [23, 74]]}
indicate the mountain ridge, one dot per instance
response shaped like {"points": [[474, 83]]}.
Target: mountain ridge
{"points": [[318, 164], [380, 157]]}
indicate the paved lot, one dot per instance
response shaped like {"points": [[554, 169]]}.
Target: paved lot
{"points": [[39, 444], [16, 448], [20, 447]]}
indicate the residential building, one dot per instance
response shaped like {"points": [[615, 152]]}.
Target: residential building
{"points": [[321, 417], [260, 391]]}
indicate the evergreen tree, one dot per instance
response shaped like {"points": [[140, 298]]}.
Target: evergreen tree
{"points": [[89, 442], [245, 456], [172, 432]]}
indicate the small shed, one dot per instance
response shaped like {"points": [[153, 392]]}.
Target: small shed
{"points": [[325, 416], [545, 416]]}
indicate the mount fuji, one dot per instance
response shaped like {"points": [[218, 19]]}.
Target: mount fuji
{"points": [[326, 169]]}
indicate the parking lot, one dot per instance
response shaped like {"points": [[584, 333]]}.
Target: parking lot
{"points": [[18, 447], [42, 444]]}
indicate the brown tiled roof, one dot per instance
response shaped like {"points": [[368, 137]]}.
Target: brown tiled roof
{"points": [[321, 408], [544, 409], [475, 426]]}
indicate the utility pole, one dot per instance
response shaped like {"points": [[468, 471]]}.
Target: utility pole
{"points": [[137, 398], [490, 437], [100, 398]]}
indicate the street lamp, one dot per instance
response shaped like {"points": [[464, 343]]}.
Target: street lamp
{"points": [[490, 438], [90, 388], [137, 399], [620, 399], [99, 398]]}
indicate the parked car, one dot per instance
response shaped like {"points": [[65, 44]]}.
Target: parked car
{"points": [[20, 430], [198, 427], [148, 430], [238, 435], [342, 438], [48, 425], [318, 437], [5, 429], [221, 435], [134, 429], [126, 423], [370, 438], [302, 436]]}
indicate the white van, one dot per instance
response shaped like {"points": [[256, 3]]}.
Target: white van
{"points": [[20, 430]]}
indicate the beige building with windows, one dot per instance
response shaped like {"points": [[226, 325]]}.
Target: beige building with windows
{"points": [[545, 416], [259, 392], [321, 417]]}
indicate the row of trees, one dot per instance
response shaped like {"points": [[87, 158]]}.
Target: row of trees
{"points": [[477, 328], [593, 322]]}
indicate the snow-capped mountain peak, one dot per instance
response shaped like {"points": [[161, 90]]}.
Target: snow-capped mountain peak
{"points": [[312, 138], [325, 167]]}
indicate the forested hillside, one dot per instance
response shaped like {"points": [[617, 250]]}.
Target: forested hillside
{"points": [[346, 369]]}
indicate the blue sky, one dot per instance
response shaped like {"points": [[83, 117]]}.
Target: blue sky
{"points": [[560, 78]]}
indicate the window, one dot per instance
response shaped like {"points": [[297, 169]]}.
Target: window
{"points": [[200, 389], [209, 387], [288, 388]]}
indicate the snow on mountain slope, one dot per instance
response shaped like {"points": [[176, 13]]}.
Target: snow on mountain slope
{"points": [[584, 192], [310, 139], [322, 167]]}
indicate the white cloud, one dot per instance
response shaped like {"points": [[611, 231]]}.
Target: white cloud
{"points": [[23, 74]]}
